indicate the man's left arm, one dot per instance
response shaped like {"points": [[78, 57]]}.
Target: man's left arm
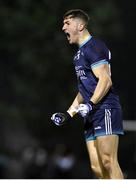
{"points": [[102, 73]]}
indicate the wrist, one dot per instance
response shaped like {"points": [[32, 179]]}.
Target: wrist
{"points": [[91, 103], [72, 111], [68, 115]]}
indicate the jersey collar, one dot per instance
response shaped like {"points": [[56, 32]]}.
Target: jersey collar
{"points": [[83, 43]]}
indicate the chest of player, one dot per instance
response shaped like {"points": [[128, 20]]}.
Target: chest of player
{"points": [[81, 64]]}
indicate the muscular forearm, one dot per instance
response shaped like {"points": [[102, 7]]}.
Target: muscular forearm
{"points": [[101, 90], [76, 102]]}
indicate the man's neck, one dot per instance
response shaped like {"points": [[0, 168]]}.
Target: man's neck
{"points": [[83, 38]]}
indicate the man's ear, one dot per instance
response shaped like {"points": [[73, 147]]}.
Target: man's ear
{"points": [[81, 26]]}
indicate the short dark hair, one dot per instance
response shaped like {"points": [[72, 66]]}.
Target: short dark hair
{"points": [[77, 13]]}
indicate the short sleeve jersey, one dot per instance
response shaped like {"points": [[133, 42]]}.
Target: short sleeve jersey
{"points": [[92, 54]]}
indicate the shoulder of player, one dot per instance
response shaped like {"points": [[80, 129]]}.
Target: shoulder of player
{"points": [[94, 45], [97, 42]]}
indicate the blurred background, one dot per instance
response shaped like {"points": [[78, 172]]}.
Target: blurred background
{"points": [[37, 78]]}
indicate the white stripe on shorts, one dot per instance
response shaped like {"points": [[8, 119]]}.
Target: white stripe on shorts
{"points": [[108, 126]]}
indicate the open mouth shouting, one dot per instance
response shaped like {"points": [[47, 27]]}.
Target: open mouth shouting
{"points": [[67, 35]]}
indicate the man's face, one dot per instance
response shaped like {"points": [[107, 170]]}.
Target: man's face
{"points": [[70, 28]]}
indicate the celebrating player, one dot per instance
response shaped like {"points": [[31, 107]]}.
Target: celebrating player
{"points": [[97, 102]]}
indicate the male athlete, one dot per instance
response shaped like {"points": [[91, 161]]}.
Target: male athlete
{"points": [[96, 100]]}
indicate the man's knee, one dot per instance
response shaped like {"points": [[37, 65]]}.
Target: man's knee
{"points": [[107, 162]]}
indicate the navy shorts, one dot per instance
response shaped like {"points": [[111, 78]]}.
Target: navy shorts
{"points": [[102, 122]]}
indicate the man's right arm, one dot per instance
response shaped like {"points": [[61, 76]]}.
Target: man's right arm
{"points": [[61, 118], [73, 108]]}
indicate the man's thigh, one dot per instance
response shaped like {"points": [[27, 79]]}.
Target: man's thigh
{"points": [[93, 154], [108, 145]]}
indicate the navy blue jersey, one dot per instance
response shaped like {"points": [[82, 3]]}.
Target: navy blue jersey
{"points": [[91, 54]]}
